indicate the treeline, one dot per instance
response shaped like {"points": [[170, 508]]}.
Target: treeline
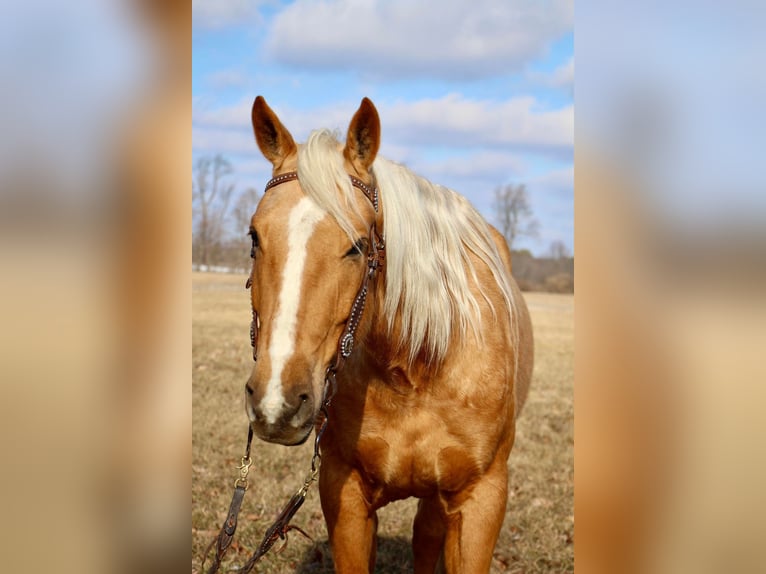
{"points": [[514, 218], [221, 217], [553, 274], [232, 255]]}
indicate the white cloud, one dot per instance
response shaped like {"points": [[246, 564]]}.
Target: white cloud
{"points": [[299, 122], [228, 78], [216, 14], [559, 182], [452, 121], [563, 76], [487, 166], [233, 116], [450, 39], [211, 140], [459, 121], [560, 77]]}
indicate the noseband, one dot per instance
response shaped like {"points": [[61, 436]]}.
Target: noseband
{"points": [[281, 526]]}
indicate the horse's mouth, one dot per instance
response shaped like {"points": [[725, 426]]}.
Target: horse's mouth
{"points": [[305, 437], [302, 433]]}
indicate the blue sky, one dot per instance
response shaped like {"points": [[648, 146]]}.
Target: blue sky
{"points": [[471, 95]]}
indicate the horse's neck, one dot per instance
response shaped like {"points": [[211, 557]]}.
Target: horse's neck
{"points": [[377, 339], [384, 347]]}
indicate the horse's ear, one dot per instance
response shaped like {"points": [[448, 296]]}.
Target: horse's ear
{"points": [[363, 138], [274, 141]]}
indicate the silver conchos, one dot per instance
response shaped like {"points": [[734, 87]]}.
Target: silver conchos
{"points": [[346, 345], [254, 336]]}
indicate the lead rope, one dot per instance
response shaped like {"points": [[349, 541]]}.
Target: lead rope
{"points": [[281, 525], [229, 527]]}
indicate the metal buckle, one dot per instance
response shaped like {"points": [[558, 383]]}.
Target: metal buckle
{"points": [[244, 468]]}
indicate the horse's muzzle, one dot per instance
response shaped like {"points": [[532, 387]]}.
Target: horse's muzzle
{"points": [[293, 425]]}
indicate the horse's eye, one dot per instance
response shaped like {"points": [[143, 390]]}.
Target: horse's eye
{"points": [[254, 236], [358, 248]]}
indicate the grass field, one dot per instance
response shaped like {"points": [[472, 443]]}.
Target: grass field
{"points": [[538, 531]]}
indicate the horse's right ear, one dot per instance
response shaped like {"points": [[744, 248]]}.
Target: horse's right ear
{"points": [[363, 138], [274, 141]]}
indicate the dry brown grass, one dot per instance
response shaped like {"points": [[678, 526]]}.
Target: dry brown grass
{"points": [[538, 531]]}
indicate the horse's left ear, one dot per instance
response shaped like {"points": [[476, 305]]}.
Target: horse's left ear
{"points": [[363, 139]]}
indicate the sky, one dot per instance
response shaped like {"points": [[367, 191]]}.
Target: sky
{"points": [[471, 95]]}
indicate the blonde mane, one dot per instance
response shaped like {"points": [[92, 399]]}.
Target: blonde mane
{"points": [[430, 232]]}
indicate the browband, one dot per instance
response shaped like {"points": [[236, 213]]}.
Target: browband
{"points": [[370, 193]]}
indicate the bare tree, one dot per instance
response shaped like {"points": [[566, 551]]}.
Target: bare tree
{"points": [[514, 214], [242, 211], [558, 250], [244, 208], [210, 200]]}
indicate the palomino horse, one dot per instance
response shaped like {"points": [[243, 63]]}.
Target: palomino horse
{"points": [[428, 396]]}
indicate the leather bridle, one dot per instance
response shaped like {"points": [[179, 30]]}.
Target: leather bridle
{"points": [[281, 526], [375, 260]]}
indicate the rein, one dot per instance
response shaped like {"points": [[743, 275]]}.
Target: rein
{"points": [[281, 525]]}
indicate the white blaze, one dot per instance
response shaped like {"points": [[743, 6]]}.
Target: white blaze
{"points": [[302, 221]]}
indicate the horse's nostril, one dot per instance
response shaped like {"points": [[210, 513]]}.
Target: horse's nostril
{"points": [[248, 389]]}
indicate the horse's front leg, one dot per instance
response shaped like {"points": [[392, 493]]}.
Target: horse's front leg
{"points": [[428, 536], [351, 522], [474, 518]]}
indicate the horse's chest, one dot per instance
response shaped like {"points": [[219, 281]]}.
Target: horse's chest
{"points": [[406, 443], [415, 459]]}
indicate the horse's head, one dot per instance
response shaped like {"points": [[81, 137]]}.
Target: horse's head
{"points": [[306, 272]]}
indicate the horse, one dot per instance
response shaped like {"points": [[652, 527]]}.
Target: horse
{"points": [[435, 367]]}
